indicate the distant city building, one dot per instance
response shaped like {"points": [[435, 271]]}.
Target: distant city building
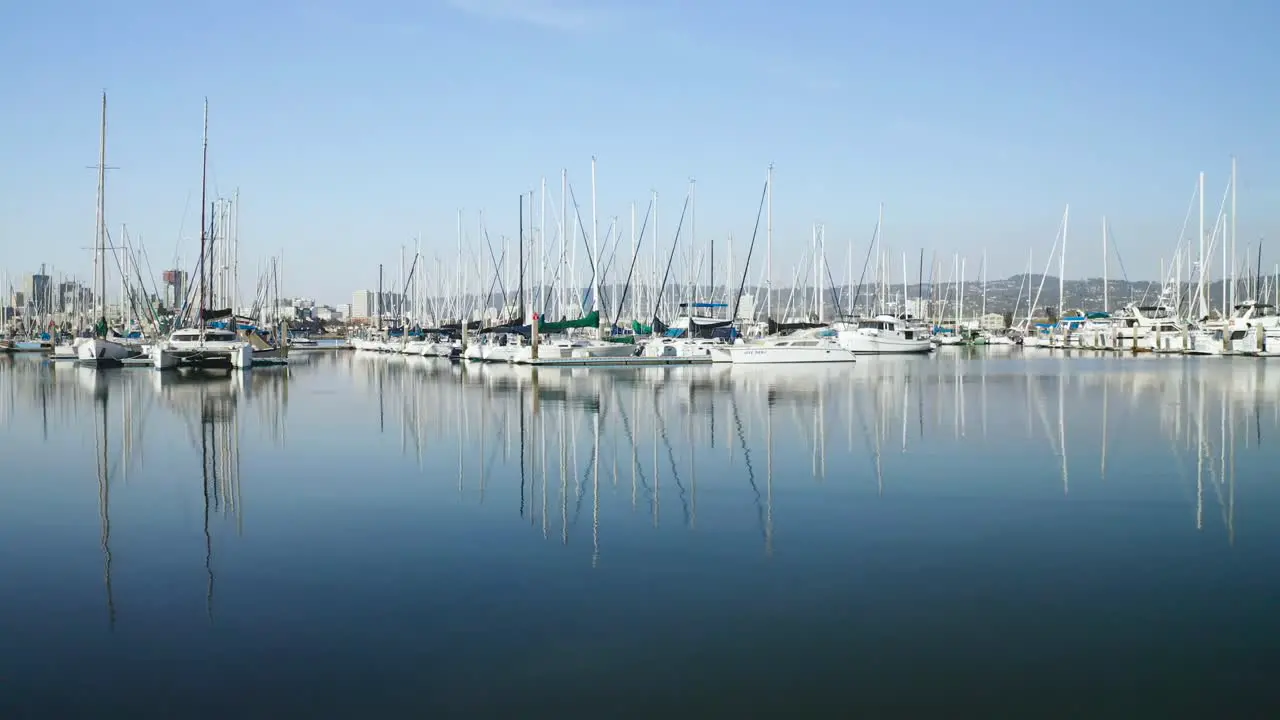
{"points": [[327, 314], [73, 297], [391, 304], [991, 321], [175, 288], [38, 291], [343, 312], [363, 304]]}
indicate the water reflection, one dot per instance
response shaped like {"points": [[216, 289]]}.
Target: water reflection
{"points": [[955, 418], [133, 415], [651, 436], [374, 521]]}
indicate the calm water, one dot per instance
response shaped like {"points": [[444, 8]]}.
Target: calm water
{"points": [[365, 536]]}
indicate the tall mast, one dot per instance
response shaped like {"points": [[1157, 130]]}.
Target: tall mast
{"points": [[1062, 265], [1106, 296], [813, 250], [461, 287], [768, 257], [1200, 293], [124, 271], [822, 261], [815, 284], [595, 244], [520, 261], [530, 293], [569, 281], [653, 286], [100, 241], [1031, 257], [728, 268], [235, 250], [633, 252], [919, 286], [879, 261], [1233, 233], [204, 180], [542, 248]]}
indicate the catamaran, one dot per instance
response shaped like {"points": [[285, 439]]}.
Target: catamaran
{"points": [[816, 345]]}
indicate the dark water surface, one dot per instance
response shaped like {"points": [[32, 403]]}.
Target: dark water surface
{"points": [[365, 536]]}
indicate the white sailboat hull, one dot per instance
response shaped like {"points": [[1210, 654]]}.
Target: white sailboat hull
{"points": [[501, 353], [767, 354], [99, 352], [70, 351], [601, 349]]}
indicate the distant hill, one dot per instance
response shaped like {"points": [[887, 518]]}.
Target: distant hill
{"points": [[1002, 296]]}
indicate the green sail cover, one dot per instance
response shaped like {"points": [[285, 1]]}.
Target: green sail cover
{"points": [[624, 339], [639, 329], [590, 320]]}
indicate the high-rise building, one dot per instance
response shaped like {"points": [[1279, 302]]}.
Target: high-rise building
{"points": [[73, 297], [175, 288], [39, 293], [363, 304]]}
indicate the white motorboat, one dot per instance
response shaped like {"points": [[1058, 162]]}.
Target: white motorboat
{"points": [[883, 334]]}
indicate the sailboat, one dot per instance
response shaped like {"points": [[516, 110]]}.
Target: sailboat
{"points": [[100, 350], [201, 345]]}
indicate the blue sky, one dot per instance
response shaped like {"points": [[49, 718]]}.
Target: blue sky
{"points": [[352, 128]]}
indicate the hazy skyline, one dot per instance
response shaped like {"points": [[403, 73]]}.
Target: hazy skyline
{"points": [[352, 128]]}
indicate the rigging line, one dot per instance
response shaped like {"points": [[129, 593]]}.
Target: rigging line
{"points": [[671, 456], [667, 273], [626, 428], [577, 211], [755, 231], [866, 263], [634, 255], [751, 473]]}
